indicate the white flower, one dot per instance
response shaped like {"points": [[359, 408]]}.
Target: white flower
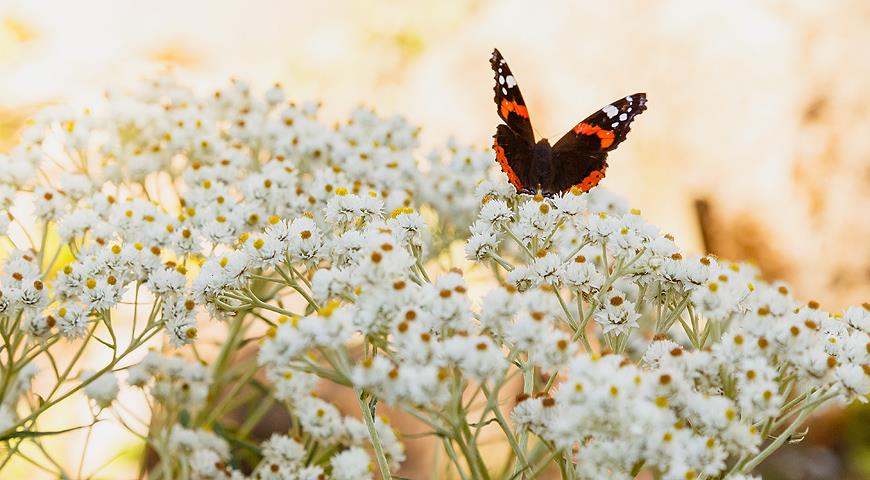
{"points": [[626, 240], [522, 277], [320, 419], [478, 357], [571, 204], [408, 225], [496, 213], [219, 273], [186, 442], [351, 464], [167, 281], [171, 380], [264, 251], [718, 299], [101, 294], [602, 227], [603, 200], [617, 314], [499, 306], [331, 283], [50, 204], [72, 321], [282, 449], [103, 389], [554, 350], [208, 465], [180, 321], [289, 383], [546, 269], [313, 472], [537, 218], [303, 239], [580, 273], [448, 302], [854, 381], [76, 224], [483, 241], [858, 317], [659, 350], [371, 372], [343, 208], [533, 414]]}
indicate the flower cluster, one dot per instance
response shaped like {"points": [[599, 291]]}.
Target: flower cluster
{"points": [[321, 255], [177, 203], [699, 354]]}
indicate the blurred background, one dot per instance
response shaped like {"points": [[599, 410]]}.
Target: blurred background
{"points": [[756, 144]]}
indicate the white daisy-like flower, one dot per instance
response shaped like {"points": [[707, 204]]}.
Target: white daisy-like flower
{"points": [[103, 390]]}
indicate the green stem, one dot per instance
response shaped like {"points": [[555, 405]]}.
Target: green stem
{"points": [[755, 461], [451, 452], [373, 436], [50, 403], [518, 242], [506, 428]]}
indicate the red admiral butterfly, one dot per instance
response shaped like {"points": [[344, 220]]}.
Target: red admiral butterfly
{"points": [[578, 159]]}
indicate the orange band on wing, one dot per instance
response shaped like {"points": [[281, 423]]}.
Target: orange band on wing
{"points": [[591, 180], [585, 129], [605, 136], [505, 166], [508, 107]]}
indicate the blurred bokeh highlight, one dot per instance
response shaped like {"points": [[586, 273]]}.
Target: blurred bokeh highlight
{"points": [[755, 146]]}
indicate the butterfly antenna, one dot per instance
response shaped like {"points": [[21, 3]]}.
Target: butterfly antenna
{"points": [[537, 133]]}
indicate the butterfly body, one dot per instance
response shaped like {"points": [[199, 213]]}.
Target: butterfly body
{"points": [[577, 160], [542, 165]]}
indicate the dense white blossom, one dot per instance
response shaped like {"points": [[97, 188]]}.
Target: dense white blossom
{"points": [[330, 255]]}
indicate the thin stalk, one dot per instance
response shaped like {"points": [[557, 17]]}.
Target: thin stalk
{"points": [[506, 428], [373, 436], [451, 452]]}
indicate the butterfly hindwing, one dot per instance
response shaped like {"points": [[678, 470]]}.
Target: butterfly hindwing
{"points": [[508, 99], [577, 168], [581, 155], [514, 155]]}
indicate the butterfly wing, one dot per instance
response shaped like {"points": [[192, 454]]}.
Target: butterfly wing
{"points": [[511, 106], [514, 155], [580, 157]]}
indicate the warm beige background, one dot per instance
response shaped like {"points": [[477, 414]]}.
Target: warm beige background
{"points": [[762, 108]]}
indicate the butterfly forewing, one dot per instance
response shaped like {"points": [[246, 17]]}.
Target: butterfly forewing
{"points": [[580, 156], [509, 101]]}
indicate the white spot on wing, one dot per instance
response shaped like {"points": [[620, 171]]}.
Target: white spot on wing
{"points": [[623, 117], [614, 124], [628, 98], [610, 111], [510, 81], [503, 91], [501, 80]]}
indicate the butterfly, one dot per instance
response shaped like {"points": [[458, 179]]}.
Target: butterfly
{"points": [[578, 159]]}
